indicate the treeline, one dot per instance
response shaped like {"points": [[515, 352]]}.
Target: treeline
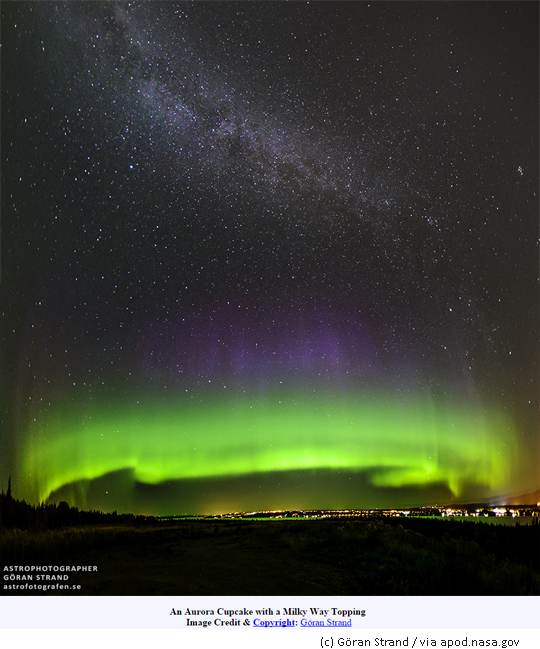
{"points": [[18, 514]]}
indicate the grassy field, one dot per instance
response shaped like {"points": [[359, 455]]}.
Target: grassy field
{"points": [[294, 557]]}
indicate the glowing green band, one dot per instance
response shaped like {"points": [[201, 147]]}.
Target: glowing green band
{"points": [[417, 443]]}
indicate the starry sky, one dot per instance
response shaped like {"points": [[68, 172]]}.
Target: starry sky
{"points": [[269, 255]]}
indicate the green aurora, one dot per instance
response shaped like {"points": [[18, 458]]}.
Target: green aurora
{"points": [[417, 443]]}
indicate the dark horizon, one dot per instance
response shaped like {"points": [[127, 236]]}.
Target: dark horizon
{"points": [[63, 512], [147, 499]]}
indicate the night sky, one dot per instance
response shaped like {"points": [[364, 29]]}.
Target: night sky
{"points": [[268, 255]]}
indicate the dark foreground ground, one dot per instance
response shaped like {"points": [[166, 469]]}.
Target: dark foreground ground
{"points": [[328, 557]]}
